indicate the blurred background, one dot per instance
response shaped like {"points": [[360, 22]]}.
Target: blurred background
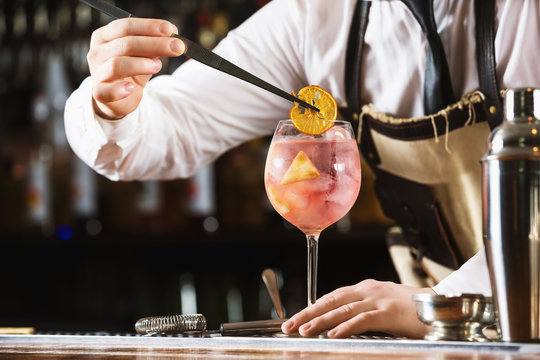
{"points": [[81, 253]]}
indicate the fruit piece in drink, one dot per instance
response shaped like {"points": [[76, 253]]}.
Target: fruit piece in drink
{"points": [[278, 204], [301, 169]]}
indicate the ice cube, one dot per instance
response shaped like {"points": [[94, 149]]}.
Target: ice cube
{"points": [[326, 182], [296, 197], [349, 162], [345, 191], [337, 133]]}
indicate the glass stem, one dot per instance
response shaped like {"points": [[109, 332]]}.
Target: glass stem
{"points": [[312, 254]]}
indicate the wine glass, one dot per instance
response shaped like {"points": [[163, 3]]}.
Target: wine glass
{"points": [[312, 181]]}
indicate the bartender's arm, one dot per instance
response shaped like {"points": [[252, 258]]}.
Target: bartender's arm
{"points": [[171, 126]]}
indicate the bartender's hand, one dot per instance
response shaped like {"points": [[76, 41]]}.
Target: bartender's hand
{"points": [[367, 306], [123, 56]]}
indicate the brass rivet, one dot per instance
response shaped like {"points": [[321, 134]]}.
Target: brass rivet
{"points": [[492, 110], [355, 116]]}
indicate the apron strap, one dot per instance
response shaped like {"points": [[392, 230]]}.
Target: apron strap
{"points": [[353, 72], [353, 64], [438, 92], [485, 57]]}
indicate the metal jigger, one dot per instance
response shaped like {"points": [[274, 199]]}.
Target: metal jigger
{"points": [[511, 201], [455, 317]]}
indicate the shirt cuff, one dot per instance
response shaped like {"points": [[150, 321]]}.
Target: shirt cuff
{"points": [[118, 130]]}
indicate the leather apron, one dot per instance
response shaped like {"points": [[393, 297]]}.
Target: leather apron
{"points": [[428, 172]]}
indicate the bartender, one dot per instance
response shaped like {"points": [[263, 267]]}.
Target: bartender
{"points": [[420, 80]]}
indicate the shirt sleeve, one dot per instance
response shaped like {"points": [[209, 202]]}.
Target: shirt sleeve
{"points": [[471, 277], [187, 119]]}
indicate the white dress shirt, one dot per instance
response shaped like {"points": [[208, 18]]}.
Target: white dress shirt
{"points": [[187, 119]]}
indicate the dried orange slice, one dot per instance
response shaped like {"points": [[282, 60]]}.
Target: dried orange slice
{"points": [[301, 169], [310, 121]]}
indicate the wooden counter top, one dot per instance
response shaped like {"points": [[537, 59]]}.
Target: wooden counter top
{"points": [[218, 347]]}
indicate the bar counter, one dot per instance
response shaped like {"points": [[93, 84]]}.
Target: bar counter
{"points": [[82, 347]]}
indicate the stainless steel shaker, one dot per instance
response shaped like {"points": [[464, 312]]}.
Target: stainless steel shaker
{"points": [[511, 224]]}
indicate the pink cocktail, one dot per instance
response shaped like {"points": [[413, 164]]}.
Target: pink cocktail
{"points": [[312, 181]]}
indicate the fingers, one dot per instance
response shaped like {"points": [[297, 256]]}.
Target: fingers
{"points": [[123, 56], [333, 318], [132, 27], [364, 321], [123, 67], [324, 305], [109, 92], [137, 46], [114, 100], [132, 44]]}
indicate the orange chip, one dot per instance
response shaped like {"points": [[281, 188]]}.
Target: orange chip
{"points": [[310, 121]]}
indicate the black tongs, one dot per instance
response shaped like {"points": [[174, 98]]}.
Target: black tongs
{"points": [[205, 56]]}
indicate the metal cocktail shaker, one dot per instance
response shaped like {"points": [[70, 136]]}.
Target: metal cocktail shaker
{"points": [[511, 225]]}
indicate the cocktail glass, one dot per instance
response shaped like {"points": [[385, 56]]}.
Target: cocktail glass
{"points": [[312, 181]]}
